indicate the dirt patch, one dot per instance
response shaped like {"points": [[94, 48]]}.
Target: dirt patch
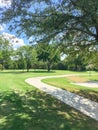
{"points": [[82, 82], [77, 79]]}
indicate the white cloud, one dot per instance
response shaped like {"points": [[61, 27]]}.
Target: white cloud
{"points": [[5, 3], [2, 27], [16, 42]]}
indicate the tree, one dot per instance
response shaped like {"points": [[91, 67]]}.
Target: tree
{"points": [[48, 53], [5, 52], [92, 60], [75, 62], [73, 22], [26, 57]]}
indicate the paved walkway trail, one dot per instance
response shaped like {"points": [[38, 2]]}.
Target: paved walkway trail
{"points": [[84, 105]]}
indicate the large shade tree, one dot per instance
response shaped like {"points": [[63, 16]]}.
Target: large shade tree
{"points": [[73, 22]]}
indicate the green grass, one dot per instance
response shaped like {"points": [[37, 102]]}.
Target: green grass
{"points": [[66, 83], [14, 79], [92, 77], [23, 107]]}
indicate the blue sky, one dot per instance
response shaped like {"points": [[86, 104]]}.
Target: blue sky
{"points": [[6, 4], [4, 27], [7, 34]]}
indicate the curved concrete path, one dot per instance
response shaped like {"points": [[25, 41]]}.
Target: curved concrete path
{"points": [[84, 105]]}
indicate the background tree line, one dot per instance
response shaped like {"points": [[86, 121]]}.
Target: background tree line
{"points": [[44, 56]]}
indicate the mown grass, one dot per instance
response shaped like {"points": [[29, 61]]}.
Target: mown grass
{"points": [[14, 79], [66, 83], [23, 107]]}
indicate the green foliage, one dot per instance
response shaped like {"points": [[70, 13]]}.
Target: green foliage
{"points": [[60, 65], [75, 62], [26, 57], [48, 53], [1, 67], [91, 59], [74, 22], [5, 52]]}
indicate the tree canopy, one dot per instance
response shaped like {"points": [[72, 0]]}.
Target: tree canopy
{"points": [[73, 22], [26, 57], [48, 54]]}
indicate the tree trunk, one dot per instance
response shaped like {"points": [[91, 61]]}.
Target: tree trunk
{"points": [[27, 69], [48, 67], [96, 32]]}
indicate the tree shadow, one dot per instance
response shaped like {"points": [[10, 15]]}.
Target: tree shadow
{"points": [[43, 71], [87, 93], [95, 80], [13, 72], [36, 110], [21, 71]]}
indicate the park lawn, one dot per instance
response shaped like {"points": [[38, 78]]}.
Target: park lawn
{"points": [[14, 79], [66, 83], [23, 107]]}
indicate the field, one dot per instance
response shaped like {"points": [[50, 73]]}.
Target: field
{"points": [[23, 107]]}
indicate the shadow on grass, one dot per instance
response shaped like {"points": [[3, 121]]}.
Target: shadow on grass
{"points": [[36, 110], [87, 93], [90, 94], [94, 80], [43, 71], [21, 71]]}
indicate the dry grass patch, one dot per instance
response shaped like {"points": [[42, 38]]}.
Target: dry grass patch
{"points": [[77, 79]]}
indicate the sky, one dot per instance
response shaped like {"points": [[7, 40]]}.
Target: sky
{"points": [[5, 3], [4, 30], [17, 42], [3, 27]]}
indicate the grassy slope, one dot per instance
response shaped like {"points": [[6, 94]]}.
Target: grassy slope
{"points": [[24, 107]]}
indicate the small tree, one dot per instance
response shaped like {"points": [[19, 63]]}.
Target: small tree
{"points": [[5, 52], [75, 62], [48, 54], [27, 55]]}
